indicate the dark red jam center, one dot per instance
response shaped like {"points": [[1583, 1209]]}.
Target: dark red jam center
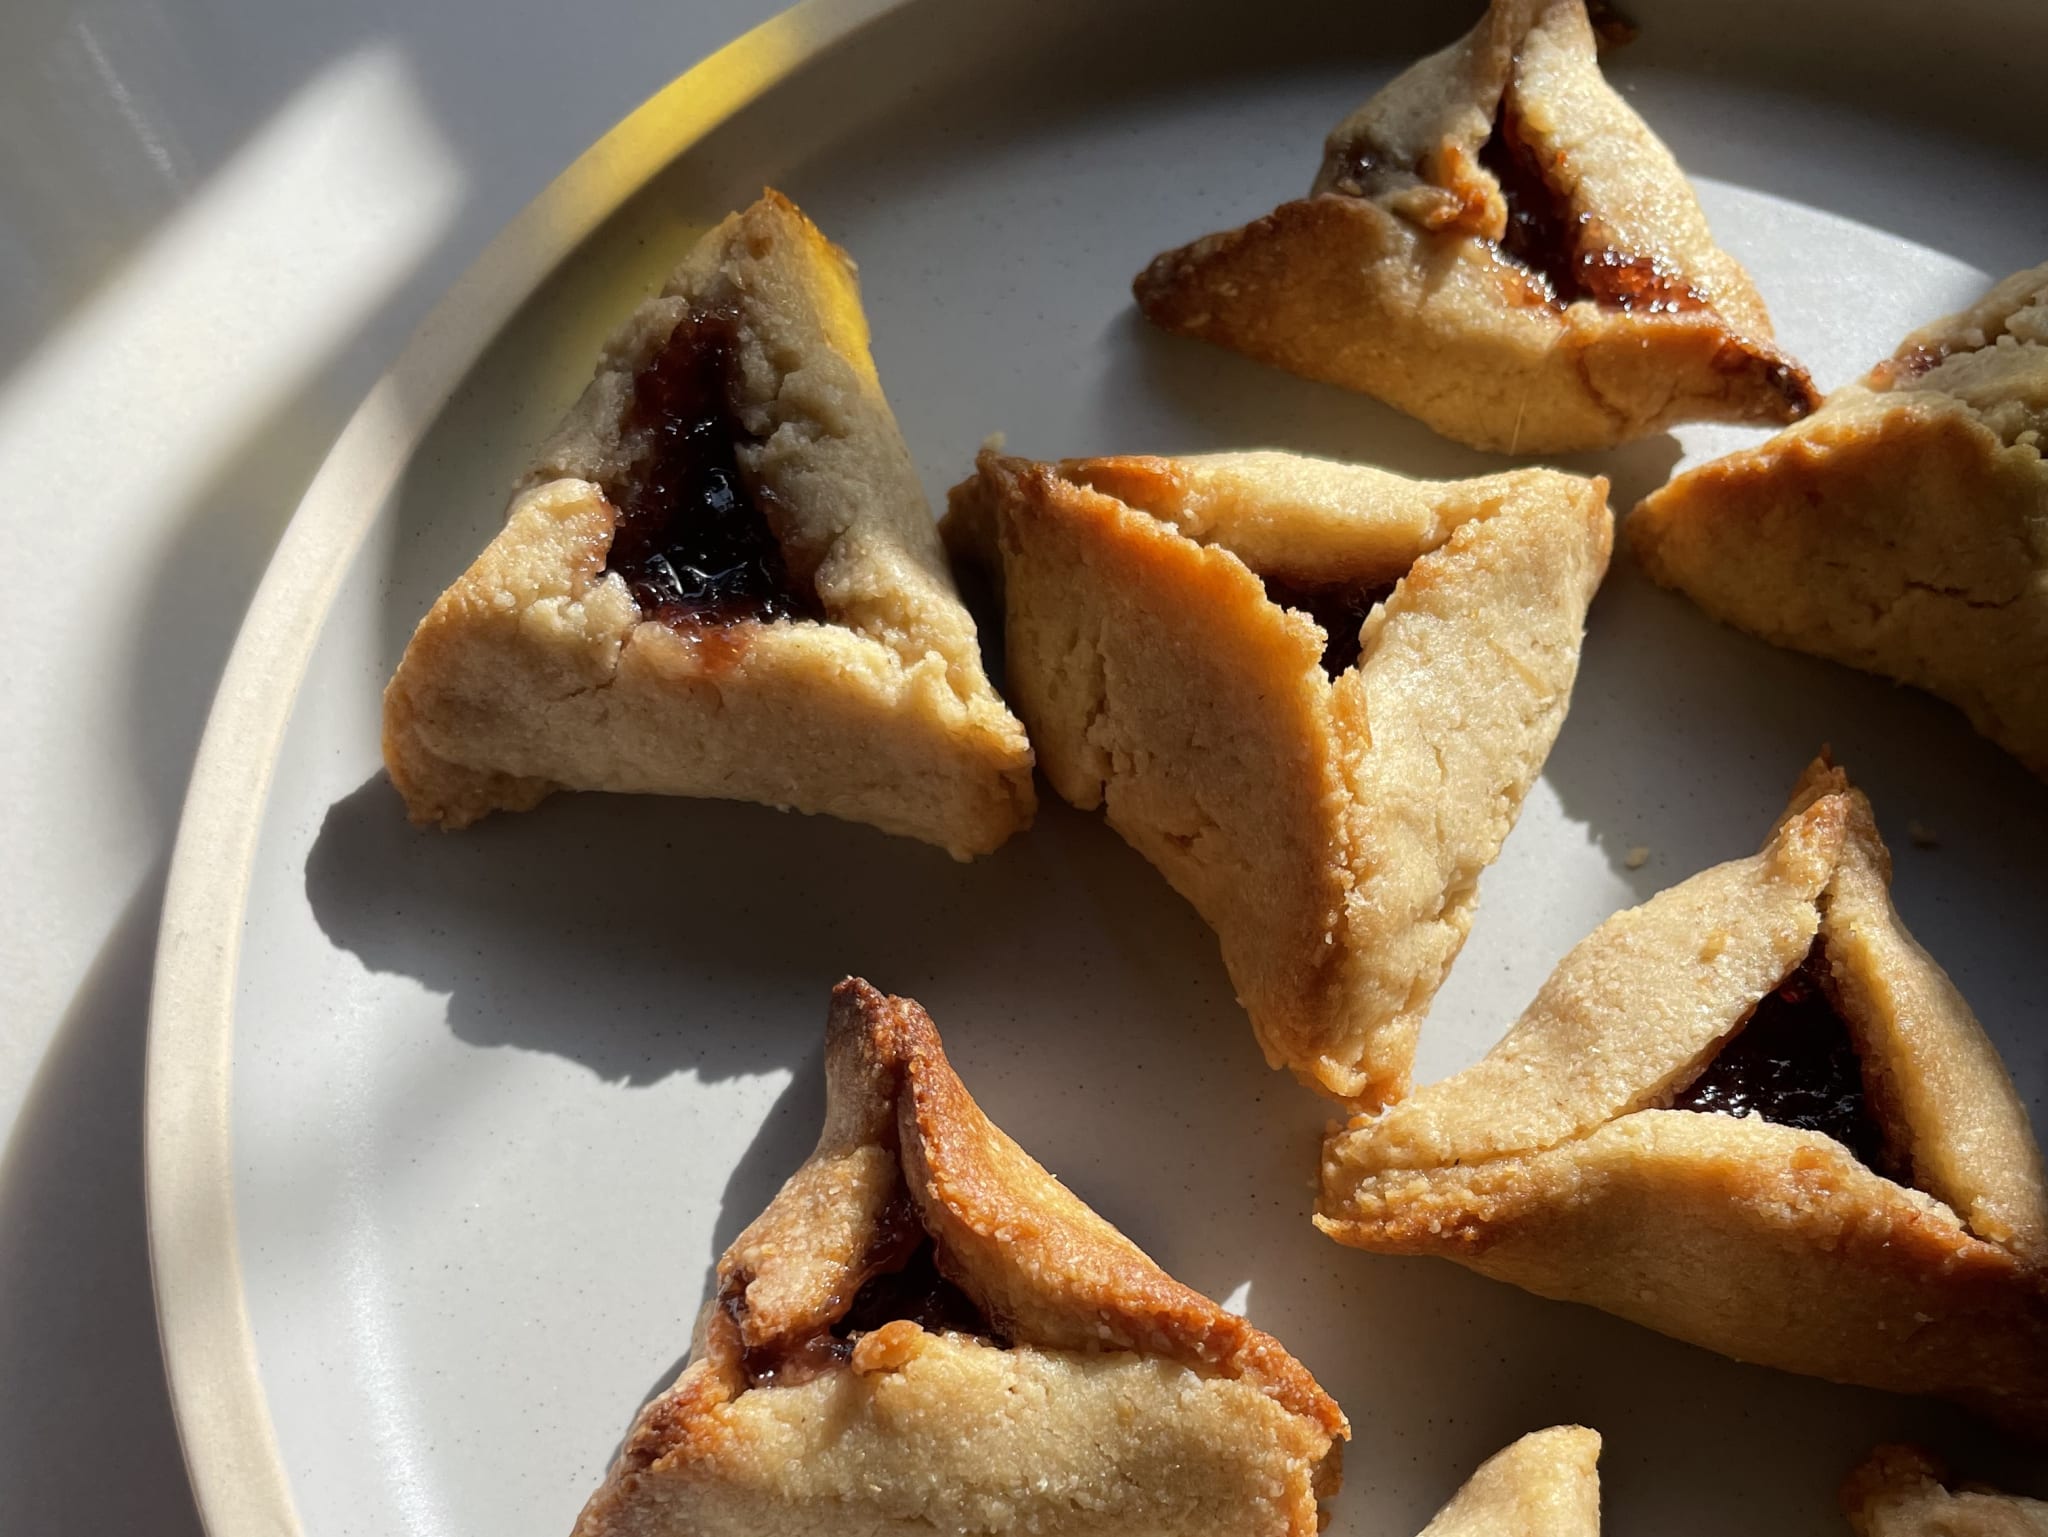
{"points": [[693, 539], [1793, 1062], [786, 1363], [901, 1280], [1545, 237], [1339, 610], [917, 1292]]}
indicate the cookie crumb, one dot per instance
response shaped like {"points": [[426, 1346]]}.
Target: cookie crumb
{"points": [[889, 1348], [1637, 856], [1922, 836]]}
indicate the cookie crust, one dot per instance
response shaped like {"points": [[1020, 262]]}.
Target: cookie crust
{"points": [[1332, 830], [1902, 529], [537, 670], [1104, 1398], [1900, 1491], [1397, 275], [1554, 1163]]}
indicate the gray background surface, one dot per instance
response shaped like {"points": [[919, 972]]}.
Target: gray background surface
{"points": [[122, 123]]}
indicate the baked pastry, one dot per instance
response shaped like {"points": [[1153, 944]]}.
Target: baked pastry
{"points": [[1901, 528], [925, 1331], [1312, 694], [1751, 1113], [1545, 1485], [722, 578], [1900, 1491], [1498, 245]]}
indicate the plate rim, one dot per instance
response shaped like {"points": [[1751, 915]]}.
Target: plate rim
{"points": [[233, 1463], [228, 1439]]}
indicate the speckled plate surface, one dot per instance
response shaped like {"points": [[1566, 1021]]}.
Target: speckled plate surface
{"points": [[447, 1130]]}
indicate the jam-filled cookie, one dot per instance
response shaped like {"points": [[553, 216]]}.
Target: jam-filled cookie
{"points": [[722, 578], [1754, 1114], [1498, 245], [1899, 529], [926, 1332], [1900, 1491], [1545, 1485], [1312, 694]]}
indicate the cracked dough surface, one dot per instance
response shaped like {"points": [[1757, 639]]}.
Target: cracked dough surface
{"points": [[534, 671], [1902, 529]]}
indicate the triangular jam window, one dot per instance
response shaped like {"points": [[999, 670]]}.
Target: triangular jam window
{"points": [[900, 1279], [695, 538], [1338, 609], [1793, 1061]]}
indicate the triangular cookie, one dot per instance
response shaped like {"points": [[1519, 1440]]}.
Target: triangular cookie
{"points": [[1900, 1491], [1900, 529], [721, 579], [1498, 245], [1545, 1485], [925, 1331], [1751, 1113], [1312, 694]]}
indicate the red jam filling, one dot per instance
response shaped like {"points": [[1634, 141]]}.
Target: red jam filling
{"points": [[693, 539], [1337, 609], [901, 1279], [1556, 246], [1794, 1062]]}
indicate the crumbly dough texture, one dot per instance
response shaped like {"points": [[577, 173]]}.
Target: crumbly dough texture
{"points": [[1900, 1491], [1124, 1403], [1332, 832], [1552, 1163], [1902, 529], [1389, 278], [1545, 1485], [535, 671]]}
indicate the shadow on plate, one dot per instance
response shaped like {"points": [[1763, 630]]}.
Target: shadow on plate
{"points": [[78, 1338], [1701, 731], [516, 918], [1215, 399], [1085, 1007], [786, 1135]]}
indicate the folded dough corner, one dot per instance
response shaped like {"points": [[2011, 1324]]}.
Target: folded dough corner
{"points": [[1498, 245], [1751, 1113], [1899, 528], [925, 1331], [1312, 694], [721, 578]]}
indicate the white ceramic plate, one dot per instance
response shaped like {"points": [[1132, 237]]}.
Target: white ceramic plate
{"points": [[446, 1131]]}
